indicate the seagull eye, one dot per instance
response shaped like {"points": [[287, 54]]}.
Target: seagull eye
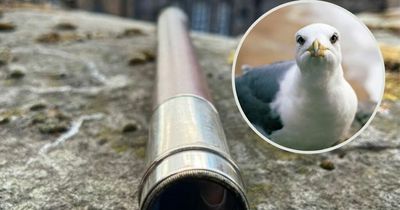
{"points": [[300, 40], [334, 38]]}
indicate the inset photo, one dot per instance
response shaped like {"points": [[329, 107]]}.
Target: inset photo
{"points": [[308, 76]]}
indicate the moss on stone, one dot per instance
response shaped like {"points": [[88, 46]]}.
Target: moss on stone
{"points": [[16, 74], [130, 127], [142, 57], [258, 193], [49, 38], [65, 26], [327, 165], [7, 27], [5, 56], [4, 120], [38, 107], [140, 152], [38, 118], [52, 126], [12, 112], [129, 32]]}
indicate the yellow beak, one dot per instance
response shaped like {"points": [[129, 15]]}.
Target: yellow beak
{"points": [[317, 49]]}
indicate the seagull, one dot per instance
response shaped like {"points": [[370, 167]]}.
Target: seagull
{"points": [[305, 104]]}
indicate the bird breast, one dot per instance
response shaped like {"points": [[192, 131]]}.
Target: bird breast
{"points": [[314, 120]]}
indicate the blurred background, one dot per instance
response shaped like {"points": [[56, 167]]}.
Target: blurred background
{"points": [[225, 17]]}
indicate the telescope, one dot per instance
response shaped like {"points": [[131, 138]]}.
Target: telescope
{"points": [[188, 165]]}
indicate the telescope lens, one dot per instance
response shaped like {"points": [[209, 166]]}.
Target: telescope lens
{"points": [[196, 194]]}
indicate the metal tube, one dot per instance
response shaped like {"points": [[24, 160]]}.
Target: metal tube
{"points": [[188, 161], [178, 70]]}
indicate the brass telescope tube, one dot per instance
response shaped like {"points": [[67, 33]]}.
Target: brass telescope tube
{"points": [[188, 161]]}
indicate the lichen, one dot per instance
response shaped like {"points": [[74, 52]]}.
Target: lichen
{"points": [[38, 118], [119, 148], [17, 112], [112, 136], [130, 127], [141, 57], [121, 143], [65, 26], [38, 107], [140, 152], [97, 104], [49, 38], [129, 32], [7, 27], [16, 74], [4, 120], [327, 165], [50, 121], [5, 56], [258, 193], [52, 126]]}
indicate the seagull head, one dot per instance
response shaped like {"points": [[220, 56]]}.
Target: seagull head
{"points": [[318, 47]]}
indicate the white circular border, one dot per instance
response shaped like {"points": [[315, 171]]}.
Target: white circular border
{"points": [[251, 125]]}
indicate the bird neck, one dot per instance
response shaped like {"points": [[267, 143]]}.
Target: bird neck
{"points": [[320, 77]]}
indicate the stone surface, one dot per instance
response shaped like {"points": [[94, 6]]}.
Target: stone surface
{"points": [[86, 80]]}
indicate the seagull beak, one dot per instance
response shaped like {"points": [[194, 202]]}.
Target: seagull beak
{"points": [[317, 49]]}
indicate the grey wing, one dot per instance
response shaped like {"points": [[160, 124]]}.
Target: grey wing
{"points": [[256, 89]]}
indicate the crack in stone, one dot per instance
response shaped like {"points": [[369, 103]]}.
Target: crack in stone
{"points": [[70, 133]]}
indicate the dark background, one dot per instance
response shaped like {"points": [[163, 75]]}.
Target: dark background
{"points": [[225, 17]]}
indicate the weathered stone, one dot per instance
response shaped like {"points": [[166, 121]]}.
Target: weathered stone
{"points": [[131, 32], [55, 37], [16, 74], [5, 56], [141, 57], [149, 54], [130, 127], [327, 165], [100, 167], [50, 38], [4, 120], [65, 26], [39, 118], [102, 141], [6, 27], [137, 59], [38, 106], [51, 126]]}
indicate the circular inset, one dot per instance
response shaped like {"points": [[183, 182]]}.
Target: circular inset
{"points": [[308, 76]]}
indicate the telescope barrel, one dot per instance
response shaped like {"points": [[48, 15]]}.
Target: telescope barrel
{"points": [[178, 70], [188, 160]]}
